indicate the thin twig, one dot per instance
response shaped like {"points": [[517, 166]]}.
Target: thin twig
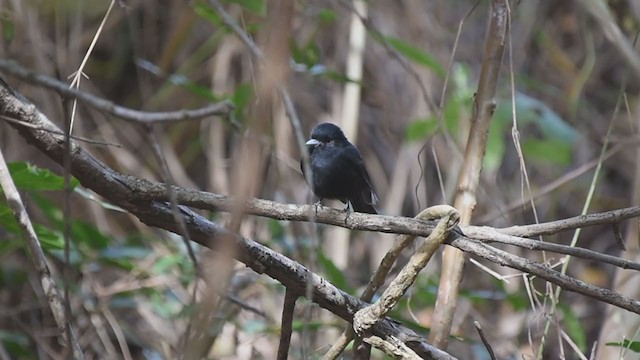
{"points": [[168, 180], [49, 287], [75, 137], [489, 235], [124, 191], [553, 185], [184, 232], [287, 324], [289, 109], [222, 108], [492, 355], [66, 210], [572, 223], [80, 72]]}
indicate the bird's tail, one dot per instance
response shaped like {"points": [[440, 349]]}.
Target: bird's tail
{"points": [[361, 205]]}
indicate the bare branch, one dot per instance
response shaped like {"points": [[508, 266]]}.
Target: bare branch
{"points": [[486, 343], [287, 325], [121, 190], [469, 178], [369, 316], [148, 201], [580, 221], [145, 117], [49, 287]]}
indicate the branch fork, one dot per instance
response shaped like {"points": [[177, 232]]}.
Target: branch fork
{"points": [[366, 318]]}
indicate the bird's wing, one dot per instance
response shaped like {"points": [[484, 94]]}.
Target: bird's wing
{"points": [[368, 195]]}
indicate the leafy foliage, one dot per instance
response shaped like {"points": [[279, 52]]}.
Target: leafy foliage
{"points": [[627, 344]]}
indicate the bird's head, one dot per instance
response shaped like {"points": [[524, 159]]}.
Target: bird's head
{"points": [[325, 133]]}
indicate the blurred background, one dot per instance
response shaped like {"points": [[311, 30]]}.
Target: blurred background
{"points": [[131, 285]]}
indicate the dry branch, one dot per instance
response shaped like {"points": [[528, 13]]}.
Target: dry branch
{"points": [[143, 117], [286, 328], [148, 201], [365, 318], [49, 287], [124, 191], [465, 201]]}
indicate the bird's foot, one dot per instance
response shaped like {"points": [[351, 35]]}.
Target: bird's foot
{"points": [[316, 205], [347, 210]]}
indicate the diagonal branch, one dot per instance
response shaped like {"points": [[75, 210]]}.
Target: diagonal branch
{"points": [[125, 191], [49, 287], [122, 191]]}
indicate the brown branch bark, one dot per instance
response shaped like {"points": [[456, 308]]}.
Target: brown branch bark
{"points": [[123, 190], [286, 329], [465, 202], [49, 287], [148, 201], [143, 117]]}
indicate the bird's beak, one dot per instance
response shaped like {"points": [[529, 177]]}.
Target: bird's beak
{"points": [[313, 142]]}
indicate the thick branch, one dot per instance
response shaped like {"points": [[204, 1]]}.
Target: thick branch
{"points": [[399, 225], [122, 191], [465, 200]]}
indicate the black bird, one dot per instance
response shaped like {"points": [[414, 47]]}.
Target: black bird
{"points": [[337, 169]]}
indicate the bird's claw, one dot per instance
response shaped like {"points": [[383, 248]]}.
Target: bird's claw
{"points": [[316, 205], [347, 210]]}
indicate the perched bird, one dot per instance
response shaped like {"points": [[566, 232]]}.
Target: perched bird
{"points": [[337, 169]]}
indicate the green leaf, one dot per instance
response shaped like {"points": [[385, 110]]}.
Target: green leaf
{"points": [[8, 28], [89, 235], [555, 152], [308, 54], [254, 326], [333, 274], [29, 177], [574, 328], [165, 304], [256, 6], [327, 15], [518, 301], [241, 98], [122, 252], [16, 344], [7, 220], [416, 55], [277, 230], [50, 240], [194, 88], [204, 10], [298, 325], [496, 146], [629, 344], [199, 90], [122, 256], [166, 263], [336, 76], [421, 129], [81, 232]]}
